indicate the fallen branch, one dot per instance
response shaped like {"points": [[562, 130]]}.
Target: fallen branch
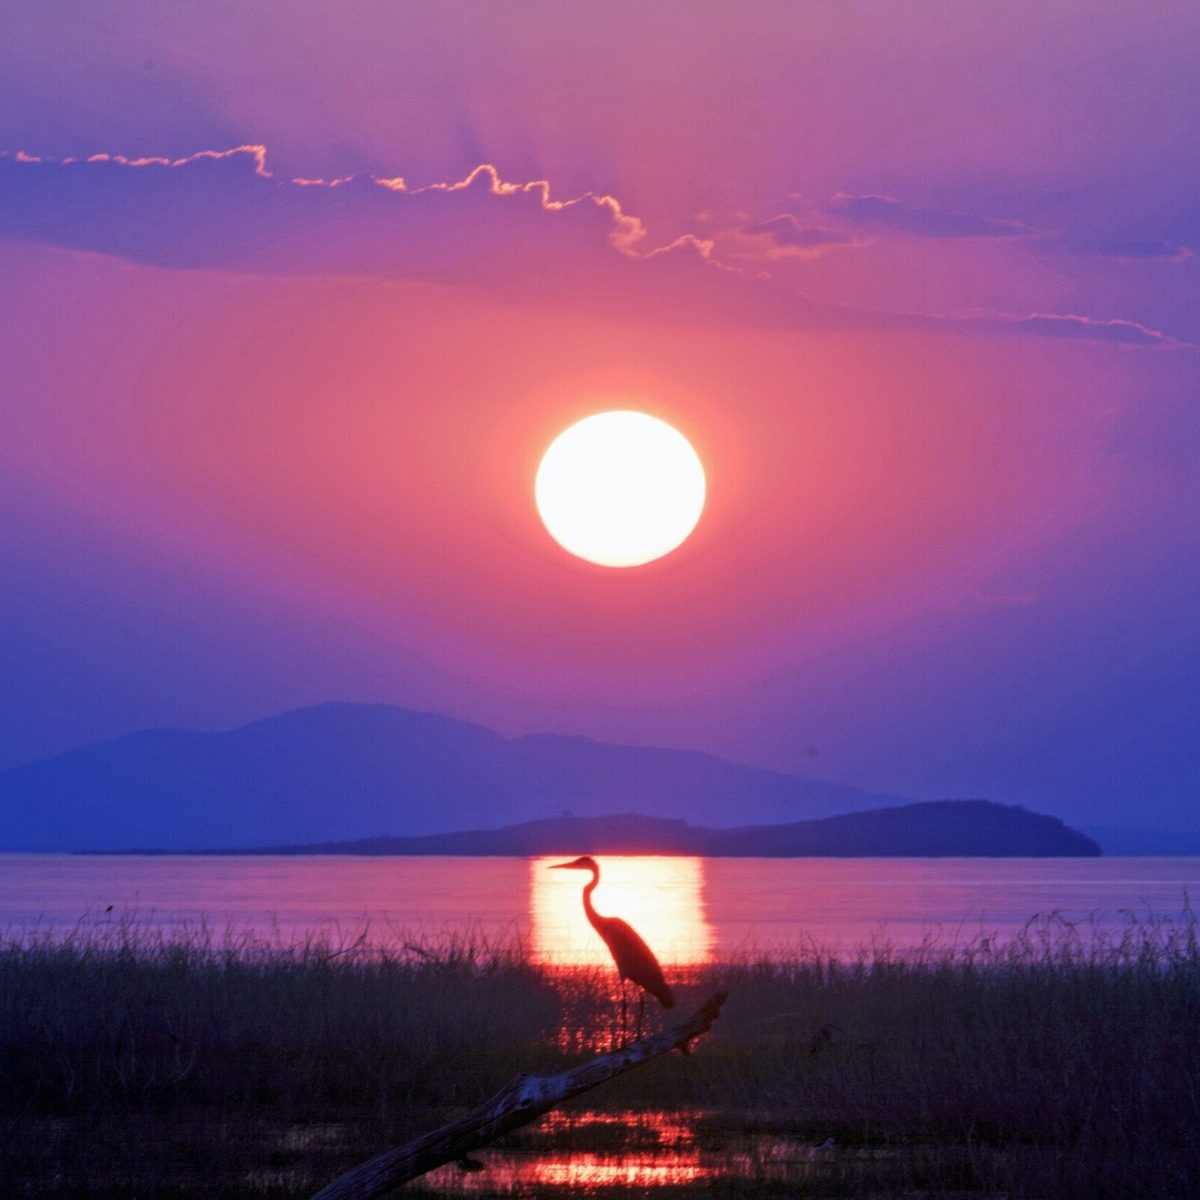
{"points": [[519, 1103]]}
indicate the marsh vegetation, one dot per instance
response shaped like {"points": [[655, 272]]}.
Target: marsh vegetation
{"points": [[141, 1062]]}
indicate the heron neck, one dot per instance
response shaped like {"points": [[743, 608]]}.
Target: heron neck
{"points": [[588, 889]]}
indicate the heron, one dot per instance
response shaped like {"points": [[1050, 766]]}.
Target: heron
{"points": [[634, 959]]}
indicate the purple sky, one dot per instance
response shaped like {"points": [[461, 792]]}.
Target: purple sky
{"points": [[919, 280]]}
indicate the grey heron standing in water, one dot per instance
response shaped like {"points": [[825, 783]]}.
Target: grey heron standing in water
{"points": [[634, 959]]}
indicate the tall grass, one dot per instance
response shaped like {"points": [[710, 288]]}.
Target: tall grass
{"points": [[135, 1015], [1064, 1062]]}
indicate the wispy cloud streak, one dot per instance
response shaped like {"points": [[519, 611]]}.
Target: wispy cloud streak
{"points": [[227, 210], [891, 213]]}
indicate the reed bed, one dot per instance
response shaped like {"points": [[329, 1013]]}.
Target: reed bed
{"points": [[191, 1062]]}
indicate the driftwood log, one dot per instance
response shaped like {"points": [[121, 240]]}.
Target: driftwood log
{"points": [[519, 1103]]}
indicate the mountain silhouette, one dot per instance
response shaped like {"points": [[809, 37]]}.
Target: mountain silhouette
{"points": [[931, 829], [337, 772]]}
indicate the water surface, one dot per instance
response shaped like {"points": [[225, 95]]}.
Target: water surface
{"points": [[690, 910]]}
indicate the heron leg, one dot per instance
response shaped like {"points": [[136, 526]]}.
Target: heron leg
{"points": [[624, 1011], [641, 1014]]}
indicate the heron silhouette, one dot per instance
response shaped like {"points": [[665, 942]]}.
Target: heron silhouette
{"points": [[635, 960]]}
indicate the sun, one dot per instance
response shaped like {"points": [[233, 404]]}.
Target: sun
{"points": [[620, 488]]}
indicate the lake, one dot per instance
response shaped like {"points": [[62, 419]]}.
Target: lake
{"points": [[165, 1072], [690, 910]]}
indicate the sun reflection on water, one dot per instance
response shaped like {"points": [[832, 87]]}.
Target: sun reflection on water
{"points": [[662, 898], [630, 1150], [623, 1152]]}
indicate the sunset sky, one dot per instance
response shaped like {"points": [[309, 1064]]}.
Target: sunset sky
{"points": [[295, 296]]}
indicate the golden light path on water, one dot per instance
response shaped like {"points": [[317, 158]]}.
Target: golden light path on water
{"points": [[640, 1150], [662, 898]]}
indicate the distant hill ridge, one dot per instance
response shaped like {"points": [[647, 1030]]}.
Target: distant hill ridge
{"points": [[339, 772], [938, 828]]}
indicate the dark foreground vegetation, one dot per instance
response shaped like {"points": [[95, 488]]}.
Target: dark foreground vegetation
{"points": [[140, 1064]]}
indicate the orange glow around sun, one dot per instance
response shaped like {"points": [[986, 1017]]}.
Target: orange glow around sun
{"points": [[662, 898]]}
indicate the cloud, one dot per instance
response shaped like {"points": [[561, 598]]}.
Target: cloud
{"points": [[227, 210], [1122, 248], [1134, 250], [786, 232], [686, 246], [1116, 331], [1070, 325], [890, 213]]}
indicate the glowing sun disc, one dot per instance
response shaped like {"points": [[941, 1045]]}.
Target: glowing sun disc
{"points": [[620, 488]]}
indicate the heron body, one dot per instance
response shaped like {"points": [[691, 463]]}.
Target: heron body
{"points": [[634, 959]]}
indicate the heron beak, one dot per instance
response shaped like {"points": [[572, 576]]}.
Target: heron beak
{"points": [[560, 866]]}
